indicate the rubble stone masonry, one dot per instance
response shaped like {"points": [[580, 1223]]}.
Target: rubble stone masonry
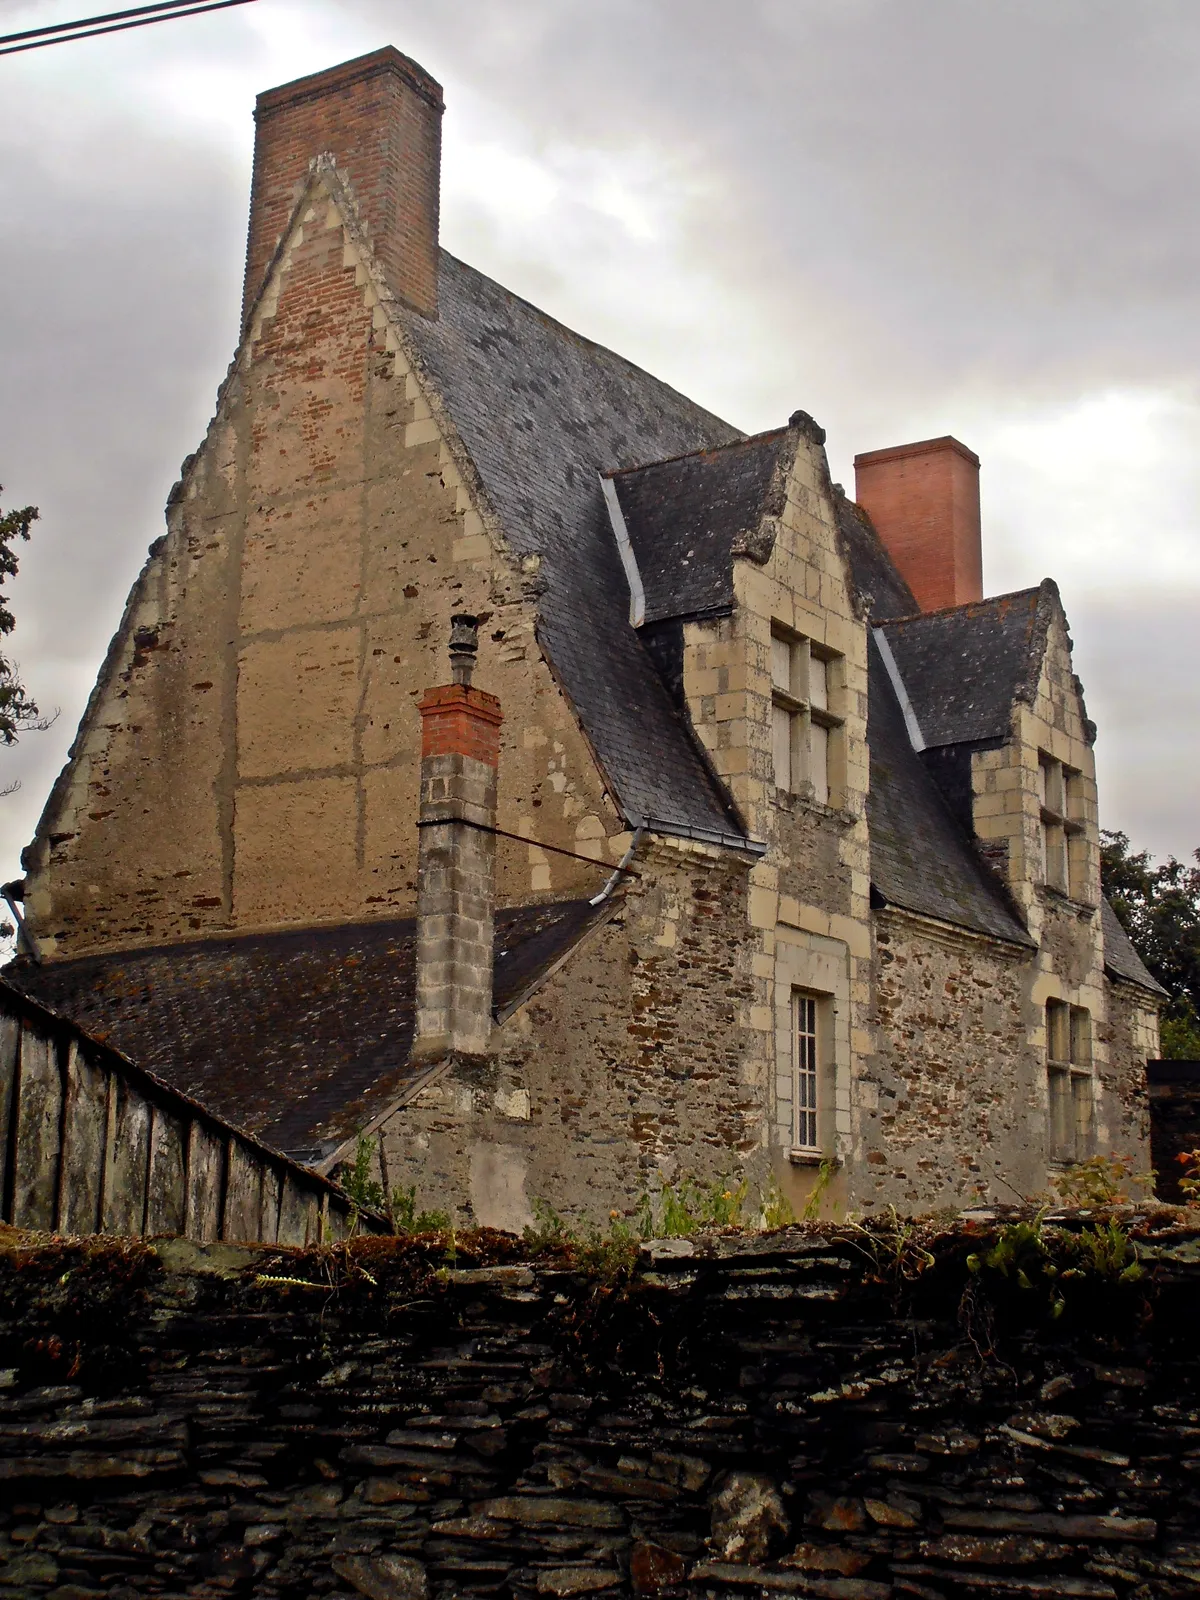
{"points": [[818, 1412]]}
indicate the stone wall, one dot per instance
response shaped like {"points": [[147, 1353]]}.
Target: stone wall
{"points": [[954, 1088], [830, 1414], [626, 1064]]}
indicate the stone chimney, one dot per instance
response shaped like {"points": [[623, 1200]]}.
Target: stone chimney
{"points": [[924, 501], [380, 116], [456, 859]]}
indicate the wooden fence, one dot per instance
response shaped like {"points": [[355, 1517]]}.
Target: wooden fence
{"points": [[91, 1143]]}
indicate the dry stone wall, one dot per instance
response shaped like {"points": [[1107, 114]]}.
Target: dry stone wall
{"points": [[816, 1412]]}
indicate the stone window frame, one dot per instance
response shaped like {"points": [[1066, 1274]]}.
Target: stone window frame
{"points": [[804, 711], [819, 967], [1070, 1083], [1061, 802]]}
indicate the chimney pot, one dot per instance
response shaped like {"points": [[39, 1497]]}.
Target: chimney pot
{"points": [[380, 117], [923, 499], [464, 646]]}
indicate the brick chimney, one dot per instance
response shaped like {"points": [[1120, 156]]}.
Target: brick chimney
{"points": [[456, 859], [380, 116], [924, 501]]}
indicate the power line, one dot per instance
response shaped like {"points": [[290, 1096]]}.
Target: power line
{"points": [[112, 22]]}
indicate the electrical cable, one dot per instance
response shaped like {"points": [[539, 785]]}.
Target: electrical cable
{"points": [[110, 22], [520, 838]]}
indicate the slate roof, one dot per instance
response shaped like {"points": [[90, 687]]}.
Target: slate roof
{"points": [[686, 517], [920, 858], [964, 668], [1121, 960], [542, 412], [300, 1037]]}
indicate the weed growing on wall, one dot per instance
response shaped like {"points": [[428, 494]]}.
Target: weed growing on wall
{"points": [[1110, 1180], [367, 1193]]}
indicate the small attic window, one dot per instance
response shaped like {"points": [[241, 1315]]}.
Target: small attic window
{"points": [[805, 727]]}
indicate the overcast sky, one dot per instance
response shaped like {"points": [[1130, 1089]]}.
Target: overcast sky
{"points": [[908, 217]]}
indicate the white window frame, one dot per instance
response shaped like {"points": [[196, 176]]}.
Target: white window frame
{"points": [[1070, 1083], [805, 712], [808, 1037]]}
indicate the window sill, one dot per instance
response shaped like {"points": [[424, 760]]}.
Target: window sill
{"points": [[813, 1158], [804, 804], [1083, 909]]}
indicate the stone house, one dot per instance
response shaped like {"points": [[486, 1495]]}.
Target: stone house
{"points": [[743, 835]]}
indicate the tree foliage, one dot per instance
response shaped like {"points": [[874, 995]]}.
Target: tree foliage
{"points": [[1159, 908], [17, 711]]}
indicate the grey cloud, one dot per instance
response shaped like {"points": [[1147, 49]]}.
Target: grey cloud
{"points": [[903, 206]]}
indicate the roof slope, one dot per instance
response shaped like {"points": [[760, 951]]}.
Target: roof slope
{"points": [[964, 667], [688, 516], [920, 858], [1121, 960], [542, 412], [298, 1037]]}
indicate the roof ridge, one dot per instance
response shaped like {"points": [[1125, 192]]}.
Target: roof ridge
{"points": [[965, 605], [708, 450]]}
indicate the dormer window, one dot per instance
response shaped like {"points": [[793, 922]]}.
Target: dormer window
{"points": [[1063, 856], [804, 723]]}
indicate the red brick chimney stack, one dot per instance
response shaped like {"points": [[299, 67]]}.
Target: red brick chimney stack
{"points": [[456, 855], [924, 501], [380, 116]]}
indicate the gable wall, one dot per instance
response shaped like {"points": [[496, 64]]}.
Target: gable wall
{"points": [[251, 760], [1070, 962]]}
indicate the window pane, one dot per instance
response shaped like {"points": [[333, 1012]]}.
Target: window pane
{"points": [[1062, 1142], [1058, 1036], [804, 1010], [781, 746], [818, 761], [1074, 794], [818, 683], [1081, 1037], [1052, 786], [1056, 856], [781, 664], [1081, 1095]]}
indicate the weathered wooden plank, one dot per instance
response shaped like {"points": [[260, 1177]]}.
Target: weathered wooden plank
{"points": [[206, 1184], [243, 1194], [166, 1196], [126, 1207], [83, 1144], [10, 1038], [111, 1097], [39, 1109], [299, 1214], [337, 1221], [272, 1186]]}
